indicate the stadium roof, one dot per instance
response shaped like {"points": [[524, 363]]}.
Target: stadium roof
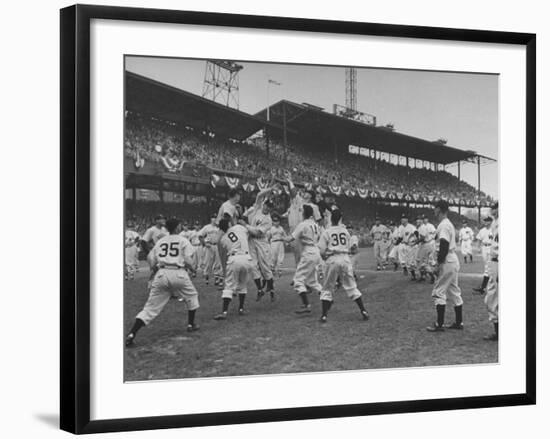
{"points": [[319, 127], [147, 96]]}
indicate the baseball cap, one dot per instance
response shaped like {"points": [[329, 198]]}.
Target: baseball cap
{"points": [[442, 205], [172, 224], [488, 219]]}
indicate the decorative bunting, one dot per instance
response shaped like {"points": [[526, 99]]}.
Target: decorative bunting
{"points": [[232, 182]]}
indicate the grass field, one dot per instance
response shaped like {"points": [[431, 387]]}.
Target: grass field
{"points": [[273, 339]]}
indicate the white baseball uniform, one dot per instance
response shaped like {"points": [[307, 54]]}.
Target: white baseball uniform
{"points": [[485, 238], [131, 251], [239, 263], [446, 283], [169, 254], [491, 297], [211, 235], [354, 243], [403, 249], [276, 238], [380, 244], [307, 234], [335, 242], [426, 250], [466, 236], [260, 250], [154, 233]]}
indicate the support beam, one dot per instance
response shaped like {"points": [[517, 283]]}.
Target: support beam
{"points": [[284, 131], [479, 187]]}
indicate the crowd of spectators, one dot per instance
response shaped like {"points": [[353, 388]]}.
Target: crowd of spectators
{"points": [[158, 141]]}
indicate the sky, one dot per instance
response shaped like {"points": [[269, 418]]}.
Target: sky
{"points": [[460, 107]]}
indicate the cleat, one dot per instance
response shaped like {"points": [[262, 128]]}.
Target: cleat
{"points": [[492, 337], [323, 319], [365, 315], [413, 279], [260, 295], [479, 291], [378, 268], [129, 342], [221, 316], [193, 328], [435, 328], [304, 309], [242, 312], [455, 325]]}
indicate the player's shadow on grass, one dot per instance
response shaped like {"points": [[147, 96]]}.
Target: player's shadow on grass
{"points": [[50, 419]]}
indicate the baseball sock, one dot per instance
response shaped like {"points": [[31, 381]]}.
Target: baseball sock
{"points": [[471, 258], [241, 300], [138, 324], [413, 275], [325, 306], [226, 302], [496, 328], [359, 302], [304, 298], [258, 283], [465, 260], [270, 286], [458, 314], [440, 314], [484, 282], [191, 316]]}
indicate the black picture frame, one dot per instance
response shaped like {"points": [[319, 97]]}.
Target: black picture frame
{"points": [[75, 217]]}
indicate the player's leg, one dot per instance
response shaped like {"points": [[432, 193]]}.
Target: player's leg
{"points": [[305, 266], [265, 261], [208, 263], [377, 255], [485, 256], [256, 273], [329, 287], [159, 295], [229, 288], [350, 287], [184, 288], [491, 299], [217, 267], [455, 295], [242, 275], [439, 294]]}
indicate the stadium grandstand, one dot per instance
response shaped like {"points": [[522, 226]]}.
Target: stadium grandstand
{"points": [[184, 152]]}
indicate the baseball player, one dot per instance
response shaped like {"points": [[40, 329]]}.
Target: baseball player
{"points": [[229, 207], [209, 236], [377, 233], [154, 233], [446, 284], [466, 237], [170, 259], [334, 244], [131, 251], [353, 250], [295, 212], [393, 256], [485, 238], [305, 278], [234, 243], [276, 237], [405, 231], [426, 250], [259, 224], [491, 298], [412, 252]]}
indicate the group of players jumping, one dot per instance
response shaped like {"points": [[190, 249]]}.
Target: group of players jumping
{"points": [[239, 245]]}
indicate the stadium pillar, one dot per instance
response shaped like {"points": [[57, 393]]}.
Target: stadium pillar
{"points": [[267, 141], [479, 188], [133, 193], [161, 190], [284, 130]]}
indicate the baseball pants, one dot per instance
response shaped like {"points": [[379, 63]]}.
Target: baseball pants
{"points": [[402, 254], [260, 252], [485, 254], [339, 267], [306, 271], [446, 284], [131, 259], [380, 252], [212, 264], [491, 297], [425, 257], [166, 284], [278, 254], [237, 274], [412, 254], [466, 248]]}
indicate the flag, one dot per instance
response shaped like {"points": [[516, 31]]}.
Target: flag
{"points": [[232, 182]]}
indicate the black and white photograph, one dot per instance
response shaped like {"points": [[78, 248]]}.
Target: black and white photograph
{"points": [[294, 218]]}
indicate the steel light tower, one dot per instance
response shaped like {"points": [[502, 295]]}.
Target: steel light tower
{"points": [[351, 88], [221, 82]]}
